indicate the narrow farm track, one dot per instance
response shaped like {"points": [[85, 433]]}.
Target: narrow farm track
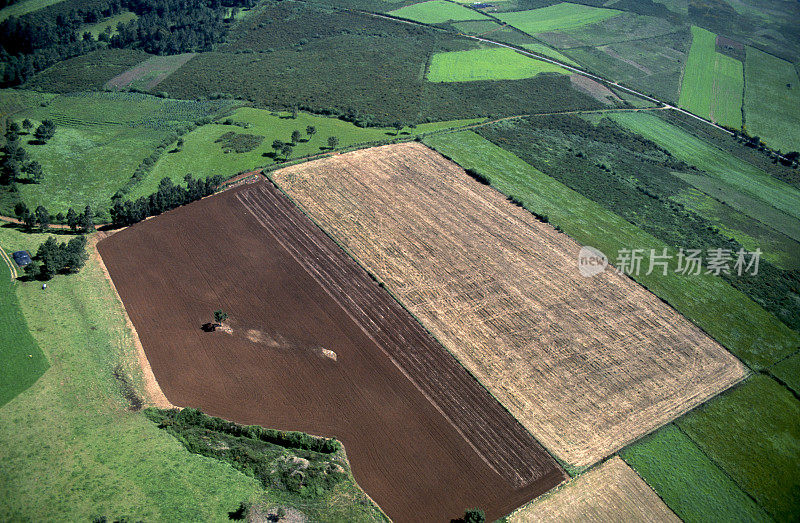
{"points": [[489, 429], [11, 268]]}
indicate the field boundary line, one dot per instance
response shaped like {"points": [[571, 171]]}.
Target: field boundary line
{"points": [[7, 260]]}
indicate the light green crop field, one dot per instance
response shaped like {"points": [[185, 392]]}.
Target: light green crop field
{"points": [[71, 443], [713, 83], [772, 100], [437, 12], [100, 140], [688, 482], [551, 53], [202, 156], [751, 432], [730, 317], [23, 361], [111, 22], [738, 174], [788, 371], [486, 64], [556, 17], [475, 27], [24, 7]]}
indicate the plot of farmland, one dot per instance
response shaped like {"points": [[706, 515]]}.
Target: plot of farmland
{"points": [[318, 346], [713, 83], [487, 64], [587, 365], [149, 73], [610, 492], [437, 12], [560, 16], [772, 100]]}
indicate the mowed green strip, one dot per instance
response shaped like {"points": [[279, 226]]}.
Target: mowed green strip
{"points": [[22, 360], [486, 64], [437, 12], [688, 482], [712, 82], [752, 433], [70, 442], [772, 100], [716, 162], [726, 314], [556, 17], [202, 156]]}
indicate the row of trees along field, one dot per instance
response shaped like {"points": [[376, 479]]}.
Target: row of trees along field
{"points": [[35, 41]]}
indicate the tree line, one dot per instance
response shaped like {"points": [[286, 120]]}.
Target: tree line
{"points": [[41, 218], [15, 161], [167, 197]]}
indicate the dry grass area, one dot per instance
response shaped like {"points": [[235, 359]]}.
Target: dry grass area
{"points": [[586, 364], [608, 493]]}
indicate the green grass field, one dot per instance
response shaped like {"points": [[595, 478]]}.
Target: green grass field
{"points": [[752, 433], [475, 27], [788, 371], [110, 22], [24, 7], [69, 441], [556, 17], [713, 83], [486, 64], [202, 156], [23, 361], [688, 482], [100, 140], [551, 53], [437, 12], [740, 175], [726, 314], [772, 100]]}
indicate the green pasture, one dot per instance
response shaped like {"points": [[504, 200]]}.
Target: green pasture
{"points": [[713, 83], [487, 64], [625, 27], [738, 174], [70, 442], [23, 361], [772, 100], [688, 481], [437, 12], [556, 17], [202, 156], [788, 371], [24, 7], [752, 433], [100, 140], [726, 314], [110, 22], [475, 27]]}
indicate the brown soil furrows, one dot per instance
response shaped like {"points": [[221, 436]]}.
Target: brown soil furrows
{"points": [[497, 437], [275, 367], [586, 364]]}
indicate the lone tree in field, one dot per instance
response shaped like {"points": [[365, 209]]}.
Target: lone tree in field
{"points": [[296, 136], [311, 131], [333, 142], [27, 124], [220, 316], [45, 131], [286, 150], [42, 217], [277, 145]]}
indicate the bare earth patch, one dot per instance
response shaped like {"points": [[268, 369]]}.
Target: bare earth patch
{"points": [[588, 365], [610, 492], [596, 90]]}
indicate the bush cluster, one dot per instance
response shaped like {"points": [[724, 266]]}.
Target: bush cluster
{"points": [[167, 197]]}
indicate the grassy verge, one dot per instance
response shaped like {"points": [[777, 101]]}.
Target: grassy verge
{"points": [[556, 17], [751, 433], [726, 314], [23, 361], [688, 482]]}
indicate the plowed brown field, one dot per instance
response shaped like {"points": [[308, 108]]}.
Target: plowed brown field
{"points": [[586, 364], [318, 346]]}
